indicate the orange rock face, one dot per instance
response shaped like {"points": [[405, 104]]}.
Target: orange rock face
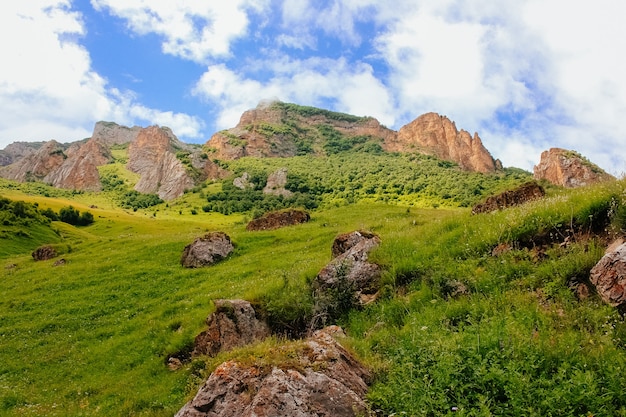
{"points": [[79, 171], [568, 169], [437, 135]]}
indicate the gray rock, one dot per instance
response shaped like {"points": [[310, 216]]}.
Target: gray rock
{"points": [[234, 323], [207, 250], [322, 379]]}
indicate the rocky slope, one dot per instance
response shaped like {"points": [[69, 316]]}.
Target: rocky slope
{"points": [[437, 135], [110, 133], [16, 151], [79, 170], [568, 169], [35, 166]]}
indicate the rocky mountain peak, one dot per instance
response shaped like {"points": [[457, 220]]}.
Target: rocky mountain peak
{"points": [[568, 169], [110, 133], [437, 135]]}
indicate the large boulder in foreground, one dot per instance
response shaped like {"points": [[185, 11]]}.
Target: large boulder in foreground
{"points": [[207, 250], [278, 219], [568, 169], [320, 379], [350, 270], [520, 195], [234, 323], [609, 276]]}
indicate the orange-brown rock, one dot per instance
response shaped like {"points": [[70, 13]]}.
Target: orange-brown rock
{"points": [[437, 135], [278, 219], [568, 169], [152, 156], [263, 132], [37, 165], [80, 170]]}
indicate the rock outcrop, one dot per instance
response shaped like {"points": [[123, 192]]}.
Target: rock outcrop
{"points": [[38, 164], [110, 133], [437, 135], [278, 219], [351, 271], [207, 250], [16, 151], [269, 130], [568, 169], [234, 323], [320, 379], [520, 195], [276, 182], [153, 156], [609, 276], [80, 170]]}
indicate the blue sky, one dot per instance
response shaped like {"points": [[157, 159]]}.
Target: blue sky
{"points": [[526, 75]]}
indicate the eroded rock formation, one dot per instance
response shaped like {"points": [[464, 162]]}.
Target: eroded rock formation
{"points": [[568, 169], [520, 195], [110, 133], [38, 164], [320, 379], [80, 170], [207, 250], [437, 135], [276, 182]]}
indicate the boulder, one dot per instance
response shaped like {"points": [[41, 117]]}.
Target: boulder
{"points": [[207, 250], [520, 195], [234, 323], [568, 169], [320, 379], [345, 241], [276, 182], [43, 253], [350, 270], [278, 219], [609, 276]]}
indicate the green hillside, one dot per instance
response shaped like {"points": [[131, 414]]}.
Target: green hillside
{"points": [[91, 337]]}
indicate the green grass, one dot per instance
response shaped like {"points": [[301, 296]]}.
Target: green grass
{"points": [[91, 337]]}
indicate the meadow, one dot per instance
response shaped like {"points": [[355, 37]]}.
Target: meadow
{"points": [[92, 337]]}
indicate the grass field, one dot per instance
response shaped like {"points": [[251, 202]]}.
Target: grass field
{"points": [[92, 337]]}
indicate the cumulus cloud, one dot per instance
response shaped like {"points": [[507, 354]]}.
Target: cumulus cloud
{"points": [[47, 87], [194, 30]]}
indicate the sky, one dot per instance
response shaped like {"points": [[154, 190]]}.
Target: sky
{"points": [[527, 75]]}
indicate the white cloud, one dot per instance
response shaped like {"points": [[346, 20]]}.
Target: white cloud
{"points": [[47, 87], [352, 89], [192, 29]]}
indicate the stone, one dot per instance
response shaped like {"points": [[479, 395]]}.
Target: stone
{"points": [[568, 169], [278, 219], [43, 253], [234, 323], [243, 182], [345, 241], [60, 262], [351, 270], [207, 250], [320, 379], [520, 195], [609, 276], [437, 135], [80, 170], [276, 182]]}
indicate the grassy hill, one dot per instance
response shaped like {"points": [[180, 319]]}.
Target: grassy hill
{"points": [[92, 337]]}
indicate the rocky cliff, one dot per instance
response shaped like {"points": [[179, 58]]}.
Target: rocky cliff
{"points": [[79, 170], [16, 151], [568, 169], [110, 133], [36, 165], [283, 130], [437, 135]]}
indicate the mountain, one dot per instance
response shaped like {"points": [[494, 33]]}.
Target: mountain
{"points": [[568, 169], [16, 151], [282, 130], [437, 135]]}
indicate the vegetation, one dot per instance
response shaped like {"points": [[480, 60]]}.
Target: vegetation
{"points": [[306, 111], [458, 325]]}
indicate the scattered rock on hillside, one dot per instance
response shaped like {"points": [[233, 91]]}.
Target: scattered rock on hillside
{"points": [[276, 182], [60, 262], [207, 250], [278, 219], [568, 169], [345, 241], [243, 182], [520, 195], [437, 135], [234, 323], [609, 276], [43, 253], [322, 379], [351, 271]]}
